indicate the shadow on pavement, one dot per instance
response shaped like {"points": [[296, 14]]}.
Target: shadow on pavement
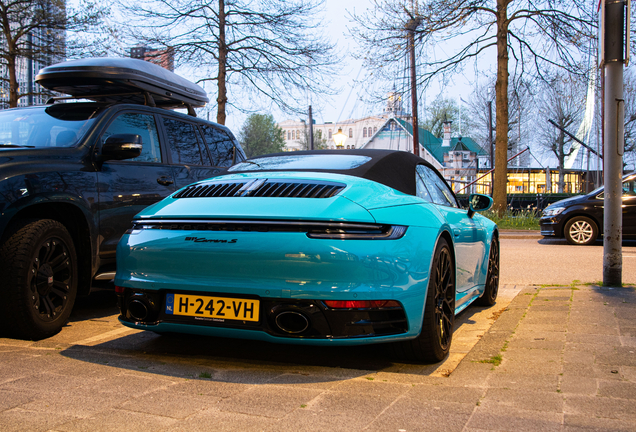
{"points": [[172, 354], [598, 243], [101, 303]]}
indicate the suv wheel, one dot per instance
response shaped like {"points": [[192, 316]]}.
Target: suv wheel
{"points": [[581, 230], [38, 271]]}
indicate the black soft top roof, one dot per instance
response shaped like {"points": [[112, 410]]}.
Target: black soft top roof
{"points": [[392, 168]]}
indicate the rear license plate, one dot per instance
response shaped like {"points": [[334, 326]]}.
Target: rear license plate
{"points": [[212, 308]]}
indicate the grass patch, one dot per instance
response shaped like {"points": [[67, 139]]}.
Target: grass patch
{"points": [[494, 360], [207, 375], [515, 219]]}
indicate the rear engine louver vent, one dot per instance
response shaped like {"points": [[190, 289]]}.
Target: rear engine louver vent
{"points": [[262, 188]]}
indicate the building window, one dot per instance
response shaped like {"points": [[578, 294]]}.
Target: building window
{"points": [[330, 134], [293, 135], [288, 135], [375, 129], [298, 134], [364, 133], [319, 134], [350, 133]]}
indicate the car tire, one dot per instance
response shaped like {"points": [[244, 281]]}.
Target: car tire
{"points": [[581, 230], [38, 267], [434, 341], [492, 276]]}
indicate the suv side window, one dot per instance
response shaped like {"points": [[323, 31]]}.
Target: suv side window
{"points": [[221, 146], [439, 191], [183, 143], [140, 124]]}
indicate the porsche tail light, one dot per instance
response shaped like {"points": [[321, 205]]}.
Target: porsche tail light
{"points": [[361, 304], [359, 232], [119, 290]]}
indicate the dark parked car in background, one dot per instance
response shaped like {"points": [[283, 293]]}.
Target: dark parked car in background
{"points": [[73, 175], [580, 219]]}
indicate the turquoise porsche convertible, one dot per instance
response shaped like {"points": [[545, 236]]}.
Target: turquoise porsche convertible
{"points": [[326, 247]]}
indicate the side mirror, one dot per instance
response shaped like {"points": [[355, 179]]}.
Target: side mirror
{"points": [[478, 203], [121, 146]]}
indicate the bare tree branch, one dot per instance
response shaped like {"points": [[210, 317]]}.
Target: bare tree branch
{"points": [[269, 50]]}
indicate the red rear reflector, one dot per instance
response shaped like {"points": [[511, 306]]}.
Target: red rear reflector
{"points": [[361, 304], [119, 290]]}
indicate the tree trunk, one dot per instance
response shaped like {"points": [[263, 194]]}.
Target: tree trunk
{"points": [[222, 96], [13, 83], [501, 105], [11, 63]]}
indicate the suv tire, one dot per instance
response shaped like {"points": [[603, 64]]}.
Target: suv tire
{"points": [[38, 274], [581, 230]]}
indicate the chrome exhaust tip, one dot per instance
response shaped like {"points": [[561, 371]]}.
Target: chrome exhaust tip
{"points": [[292, 322]]}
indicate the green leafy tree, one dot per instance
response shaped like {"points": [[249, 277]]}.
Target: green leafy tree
{"points": [[445, 109], [261, 135]]}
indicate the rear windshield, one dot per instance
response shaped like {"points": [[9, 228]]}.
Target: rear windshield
{"points": [[61, 125], [302, 162]]}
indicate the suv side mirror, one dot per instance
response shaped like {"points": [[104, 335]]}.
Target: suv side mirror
{"points": [[478, 203], [121, 146]]}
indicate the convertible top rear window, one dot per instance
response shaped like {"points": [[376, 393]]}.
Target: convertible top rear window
{"points": [[303, 162]]}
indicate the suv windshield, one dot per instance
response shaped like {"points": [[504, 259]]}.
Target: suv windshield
{"points": [[60, 125]]}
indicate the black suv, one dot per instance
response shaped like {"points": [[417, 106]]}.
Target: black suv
{"points": [[73, 175], [580, 219]]}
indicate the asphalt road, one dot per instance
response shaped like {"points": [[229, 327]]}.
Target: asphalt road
{"points": [[554, 262]]}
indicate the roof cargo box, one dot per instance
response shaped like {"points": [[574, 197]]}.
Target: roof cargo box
{"points": [[121, 80]]}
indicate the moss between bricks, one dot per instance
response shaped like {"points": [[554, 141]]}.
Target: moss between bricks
{"points": [[497, 359]]}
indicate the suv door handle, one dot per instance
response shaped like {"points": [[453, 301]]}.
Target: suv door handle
{"points": [[165, 180]]}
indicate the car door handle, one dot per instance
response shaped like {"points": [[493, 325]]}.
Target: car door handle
{"points": [[165, 180], [457, 232]]}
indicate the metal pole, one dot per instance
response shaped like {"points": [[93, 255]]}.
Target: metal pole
{"points": [[553, 123], [490, 140], [311, 130], [411, 42], [613, 138], [30, 77]]}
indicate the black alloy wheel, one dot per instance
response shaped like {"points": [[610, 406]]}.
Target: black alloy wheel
{"points": [[50, 278], [492, 277], [434, 341], [444, 298], [39, 268]]}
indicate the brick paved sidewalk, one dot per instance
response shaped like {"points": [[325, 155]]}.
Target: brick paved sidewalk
{"points": [[559, 358]]}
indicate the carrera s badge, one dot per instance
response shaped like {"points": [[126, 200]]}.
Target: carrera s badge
{"points": [[204, 240]]}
